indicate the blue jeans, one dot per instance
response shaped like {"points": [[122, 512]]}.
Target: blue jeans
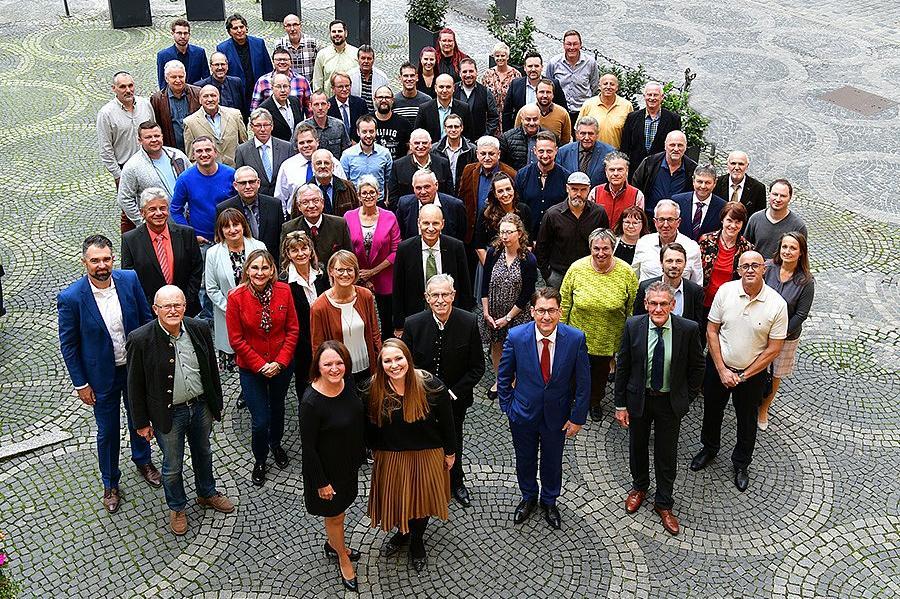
{"points": [[264, 397], [108, 417], [195, 423]]}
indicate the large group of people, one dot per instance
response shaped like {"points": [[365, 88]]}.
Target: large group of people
{"points": [[289, 215]]}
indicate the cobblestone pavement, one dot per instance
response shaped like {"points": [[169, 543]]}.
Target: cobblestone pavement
{"points": [[822, 515]]}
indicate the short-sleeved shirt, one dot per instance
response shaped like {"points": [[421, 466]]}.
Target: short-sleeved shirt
{"points": [[747, 324]]}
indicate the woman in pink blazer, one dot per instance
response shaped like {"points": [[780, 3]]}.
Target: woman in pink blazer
{"points": [[375, 235]]}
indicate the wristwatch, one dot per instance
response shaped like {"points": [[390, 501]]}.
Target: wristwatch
{"points": [[742, 378]]}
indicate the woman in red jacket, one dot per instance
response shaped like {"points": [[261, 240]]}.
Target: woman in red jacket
{"points": [[263, 331]]}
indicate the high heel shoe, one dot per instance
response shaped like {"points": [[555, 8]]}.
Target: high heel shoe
{"points": [[351, 585], [330, 552]]}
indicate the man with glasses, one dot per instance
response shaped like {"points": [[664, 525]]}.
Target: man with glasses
{"points": [[391, 130], [329, 233], [747, 327], [231, 93], [263, 152], [298, 86], [543, 384], [303, 49], [175, 392], [263, 212], [286, 110], [667, 217]]}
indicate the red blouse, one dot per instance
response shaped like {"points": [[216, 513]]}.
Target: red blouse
{"points": [[722, 272]]}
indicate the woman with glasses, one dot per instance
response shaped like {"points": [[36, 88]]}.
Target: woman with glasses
{"points": [[300, 270], [346, 313], [224, 266], [262, 329], [631, 226], [597, 296], [506, 289], [788, 274], [374, 236], [721, 250], [498, 78]]}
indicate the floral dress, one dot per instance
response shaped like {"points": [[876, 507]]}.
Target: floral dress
{"points": [[498, 84], [503, 291]]}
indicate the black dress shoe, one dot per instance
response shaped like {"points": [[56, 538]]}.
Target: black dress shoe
{"points": [[281, 457], [741, 479], [492, 395], [596, 413], [241, 404], [330, 552], [701, 460], [523, 510], [551, 515], [395, 544], [259, 474], [418, 563], [461, 494]]}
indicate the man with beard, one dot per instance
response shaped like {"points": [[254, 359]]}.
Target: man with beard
{"points": [[247, 56], [391, 130], [554, 117], [340, 57], [482, 105]]}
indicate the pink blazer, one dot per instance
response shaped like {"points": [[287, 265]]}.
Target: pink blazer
{"points": [[384, 246]]}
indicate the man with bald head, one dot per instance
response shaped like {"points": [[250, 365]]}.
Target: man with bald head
{"points": [[431, 115], [117, 126], [421, 157], [303, 48], [662, 175], [263, 212], [738, 186], [223, 125], [610, 109], [747, 327], [175, 394], [428, 253], [425, 192], [231, 92], [174, 101], [517, 144], [646, 129]]}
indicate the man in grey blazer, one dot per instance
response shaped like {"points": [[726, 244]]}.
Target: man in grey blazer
{"points": [[263, 151]]}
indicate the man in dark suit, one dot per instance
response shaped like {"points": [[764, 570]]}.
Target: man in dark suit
{"points": [[420, 258], [445, 341], [738, 186], [523, 90], [481, 102], [247, 56], [192, 57], [96, 313], [263, 212], [173, 382], [345, 107], [421, 157], [263, 152], [660, 176], [657, 396], [586, 154], [662, 122], [285, 109], [688, 295], [543, 384], [431, 115], [329, 233], [426, 193], [340, 194], [231, 89], [162, 252], [701, 209]]}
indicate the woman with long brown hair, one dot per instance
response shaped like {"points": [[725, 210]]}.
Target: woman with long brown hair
{"points": [[410, 430], [502, 199], [427, 71]]}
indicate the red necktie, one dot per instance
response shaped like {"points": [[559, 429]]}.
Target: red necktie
{"points": [[314, 232], [163, 259], [545, 360]]}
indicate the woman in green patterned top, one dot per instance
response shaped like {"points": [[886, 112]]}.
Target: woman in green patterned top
{"points": [[597, 296]]}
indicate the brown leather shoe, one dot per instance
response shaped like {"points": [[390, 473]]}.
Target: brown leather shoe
{"points": [[669, 521], [218, 502], [178, 522], [150, 474], [634, 500], [111, 499]]}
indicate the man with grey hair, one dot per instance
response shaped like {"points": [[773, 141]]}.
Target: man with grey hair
{"points": [[175, 393], [702, 206], [262, 211], [616, 194], [738, 186], [586, 154], [220, 123], [646, 129], [646, 262], [173, 103], [475, 180], [117, 125], [421, 157], [662, 175], [425, 188], [328, 232], [339, 194], [263, 152], [231, 90], [163, 252], [445, 341]]}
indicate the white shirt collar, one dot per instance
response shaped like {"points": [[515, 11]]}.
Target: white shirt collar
{"points": [[318, 223], [697, 200], [436, 247], [538, 335], [260, 144], [103, 291], [440, 325], [294, 277]]}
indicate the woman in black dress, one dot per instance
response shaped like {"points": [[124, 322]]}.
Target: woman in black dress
{"points": [[331, 431]]}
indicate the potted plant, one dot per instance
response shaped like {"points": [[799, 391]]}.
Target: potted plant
{"points": [[357, 14], [693, 124], [518, 35], [426, 18]]}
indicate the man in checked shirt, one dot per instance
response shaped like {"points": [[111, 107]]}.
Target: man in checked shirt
{"points": [[302, 48]]}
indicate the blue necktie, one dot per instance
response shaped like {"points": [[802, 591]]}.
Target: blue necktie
{"points": [[326, 191], [659, 359], [346, 114], [266, 161], [309, 172]]}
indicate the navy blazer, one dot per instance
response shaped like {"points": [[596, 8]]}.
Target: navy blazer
{"points": [[231, 92], [197, 67], [454, 216], [567, 157], [83, 337], [565, 397], [259, 59], [711, 222], [358, 108]]}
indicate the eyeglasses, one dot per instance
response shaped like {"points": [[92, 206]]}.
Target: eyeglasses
{"points": [[250, 182], [632, 223], [367, 194], [507, 233], [752, 266], [170, 307], [667, 220], [441, 294], [311, 202], [546, 311], [344, 271]]}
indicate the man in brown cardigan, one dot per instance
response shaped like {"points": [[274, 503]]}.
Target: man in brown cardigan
{"points": [[487, 150], [174, 102]]}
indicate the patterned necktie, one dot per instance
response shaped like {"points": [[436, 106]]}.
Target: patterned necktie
{"points": [[585, 163], [659, 359], [735, 193], [346, 114], [545, 360], [252, 214], [430, 265], [698, 220], [163, 260], [266, 161], [314, 232]]}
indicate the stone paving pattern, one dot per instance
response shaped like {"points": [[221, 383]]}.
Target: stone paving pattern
{"points": [[822, 515]]}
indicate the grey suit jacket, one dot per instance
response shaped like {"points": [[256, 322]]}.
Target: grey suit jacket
{"points": [[248, 155]]}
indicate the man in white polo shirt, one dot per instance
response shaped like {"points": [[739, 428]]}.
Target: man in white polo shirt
{"points": [[747, 326]]}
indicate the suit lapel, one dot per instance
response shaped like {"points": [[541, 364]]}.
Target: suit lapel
{"points": [[87, 296], [676, 342], [151, 252]]}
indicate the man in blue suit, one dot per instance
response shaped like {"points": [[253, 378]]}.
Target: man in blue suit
{"points": [[548, 362], [193, 57], [586, 154], [248, 59], [231, 89], [96, 313], [700, 210]]}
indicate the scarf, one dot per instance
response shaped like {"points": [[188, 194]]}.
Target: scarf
{"points": [[265, 299]]}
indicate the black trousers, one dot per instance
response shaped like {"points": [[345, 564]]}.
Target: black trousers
{"points": [[385, 306], [599, 373], [746, 398], [459, 416], [658, 414]]}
